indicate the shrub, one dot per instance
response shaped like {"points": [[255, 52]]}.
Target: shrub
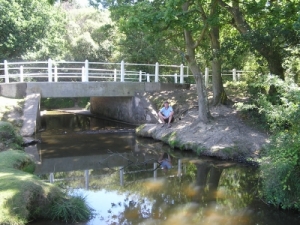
{"points": [[280, 170], [278, 109], [275, 103], [9, 137], [70, 209]]}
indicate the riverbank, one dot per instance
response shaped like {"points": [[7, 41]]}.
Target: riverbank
{"points": [[23, 196], [227, 136]]}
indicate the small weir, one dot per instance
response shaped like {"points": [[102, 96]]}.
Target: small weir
{"points": [[121, 179]]}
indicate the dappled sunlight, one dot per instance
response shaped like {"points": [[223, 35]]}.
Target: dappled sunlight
{"points": [[220, 193], [152, 185], [215, 216], [191, 190]]}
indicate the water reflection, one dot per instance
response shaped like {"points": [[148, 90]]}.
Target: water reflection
{"points": [[122, 181]]}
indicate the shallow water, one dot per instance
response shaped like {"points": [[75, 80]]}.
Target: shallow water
{"points": [[119, 175]]}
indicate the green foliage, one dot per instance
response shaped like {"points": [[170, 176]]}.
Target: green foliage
{"points": [[200, 149], [90, 35], [278, 111], [70, 209], [53, 44], [9, 137], [22, 24], [280, 163], [57, 103], [23, 196], [280, 170]]}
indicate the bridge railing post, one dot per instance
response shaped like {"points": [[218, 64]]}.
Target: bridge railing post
{"points": [[234, 74], [175, 78], [140, 76], [206, 75], [21, 74], [86, 71], [156, 72], [55, 74], [49, 70], [122, 71], [6, 75], [82, 74], [181, 74], [148, 77], [115, 75]]}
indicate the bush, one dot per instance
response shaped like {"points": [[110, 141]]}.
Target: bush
{"points": [[70, 209], [9, 138], [275, 103], [277, 110], [280, 169]]}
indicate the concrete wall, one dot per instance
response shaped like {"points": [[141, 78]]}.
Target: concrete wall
{"points": [[31, 115], [135, 110], [13, 90]]}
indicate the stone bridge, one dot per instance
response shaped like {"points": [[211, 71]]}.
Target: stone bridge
{"points": [[123, 101]]}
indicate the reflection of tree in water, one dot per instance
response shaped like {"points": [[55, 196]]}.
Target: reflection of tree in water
{"points": [[206, 193], [65, 121], [237, 187]]}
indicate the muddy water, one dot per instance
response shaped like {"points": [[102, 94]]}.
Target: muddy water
{"points": [[119, 175]]}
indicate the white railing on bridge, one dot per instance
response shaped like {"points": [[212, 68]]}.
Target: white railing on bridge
{"points": [[55, 71]]}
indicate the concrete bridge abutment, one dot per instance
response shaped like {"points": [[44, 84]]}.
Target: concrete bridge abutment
{"points": [[135, 110]]}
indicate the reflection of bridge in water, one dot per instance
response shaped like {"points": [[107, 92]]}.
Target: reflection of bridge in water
{"points": [[208, 172]]}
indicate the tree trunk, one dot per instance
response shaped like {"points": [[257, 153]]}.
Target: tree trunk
{"points": [[219, 95], [203, 113]]}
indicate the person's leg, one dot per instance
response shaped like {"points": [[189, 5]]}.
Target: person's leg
{"points": [[170, 119], [162, 119]]}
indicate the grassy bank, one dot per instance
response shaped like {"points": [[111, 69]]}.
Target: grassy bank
{"points": [[23, 196]]}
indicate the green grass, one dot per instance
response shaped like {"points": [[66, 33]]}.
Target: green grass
{"points": [[9, 138], [19, 189], [24, 196]]}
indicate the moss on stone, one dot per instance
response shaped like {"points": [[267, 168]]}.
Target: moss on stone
{"points": [[139, 128]]}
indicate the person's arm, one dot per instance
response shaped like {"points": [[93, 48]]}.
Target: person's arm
{"points": [[169, 158], [160, 158], [160, 114]]}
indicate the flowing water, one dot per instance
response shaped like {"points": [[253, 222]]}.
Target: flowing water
{"points": [[119, 175]]}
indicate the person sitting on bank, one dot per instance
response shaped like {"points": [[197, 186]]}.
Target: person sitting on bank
{"points": [[166, 114], [165, 161]]}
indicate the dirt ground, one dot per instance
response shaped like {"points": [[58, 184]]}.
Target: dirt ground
{"points": [[226, 136]]}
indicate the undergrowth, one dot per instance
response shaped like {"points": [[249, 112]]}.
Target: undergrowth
{"points": [[275, 103]]}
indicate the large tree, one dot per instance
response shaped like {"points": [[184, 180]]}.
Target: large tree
{"points": [[189, 21], [22, 23], [267, 26]]}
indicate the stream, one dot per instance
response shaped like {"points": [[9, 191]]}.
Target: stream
{"points": [[120, 177]]}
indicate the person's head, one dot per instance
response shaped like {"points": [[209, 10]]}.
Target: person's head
{"points": [[166, 104], [165, 155]]}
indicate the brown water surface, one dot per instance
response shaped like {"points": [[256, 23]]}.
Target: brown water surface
{"points": [[119, 175]]}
